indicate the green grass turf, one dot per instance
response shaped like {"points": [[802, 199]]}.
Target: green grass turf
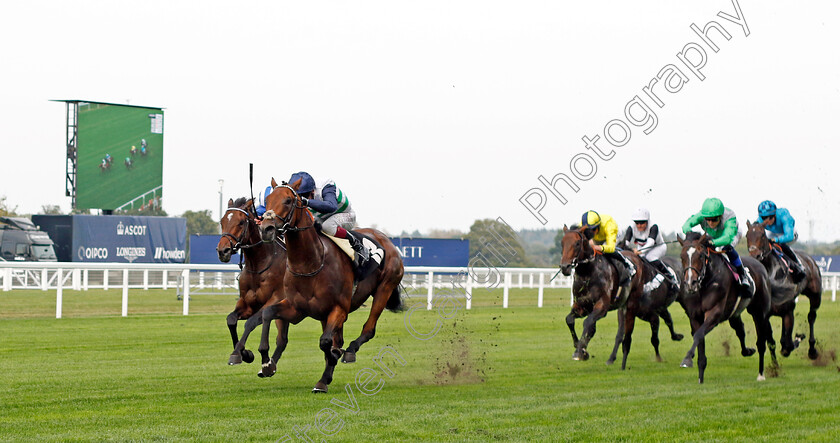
{"points": [[113, 130], [488, 374]]}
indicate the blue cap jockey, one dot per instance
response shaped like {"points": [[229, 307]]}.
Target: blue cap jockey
{"points": [[781, 228]]}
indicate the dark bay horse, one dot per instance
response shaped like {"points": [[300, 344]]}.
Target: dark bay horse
{"points": [[649, 303], [596, 292], [784, 290], [711, 295], [263, 266], [319, 282]]}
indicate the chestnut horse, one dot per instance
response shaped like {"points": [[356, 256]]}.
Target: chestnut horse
{"points": [[595, 290], [319, 282], [784, 290], [263, 266], [711, 294]]}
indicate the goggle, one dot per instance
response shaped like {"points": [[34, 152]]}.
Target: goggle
{"points": [[713, 219]]}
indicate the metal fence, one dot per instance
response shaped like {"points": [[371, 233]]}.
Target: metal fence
{"points": [[186, 279]]}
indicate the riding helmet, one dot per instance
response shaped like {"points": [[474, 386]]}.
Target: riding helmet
{"points": [[712, 207], [591, 219], [307, 183], [766, 209], [641, 214]]}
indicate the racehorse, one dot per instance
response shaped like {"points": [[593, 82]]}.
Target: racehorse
{"points": [[596, 292], [263, 266], [319, 281], [784, 291], [711, 294], [649, 304]]}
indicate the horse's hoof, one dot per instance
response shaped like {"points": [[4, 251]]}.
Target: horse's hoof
{"points": [[580, 356], [610, 361], [247, 356], [677, 337], [746, 352], [319, 388], [760, 377], [786, 352], [268, 370], [349, 357], [686, 363], [813, 354], [659, 359], [235, 359]]}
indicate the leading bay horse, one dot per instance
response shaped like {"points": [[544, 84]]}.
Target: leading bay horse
{"points": [[711, 294], [596, 292], [319, 281], [263, 266], [784, 291]]}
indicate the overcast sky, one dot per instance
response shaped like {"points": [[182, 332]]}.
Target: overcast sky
{"points": [[434, 114]]}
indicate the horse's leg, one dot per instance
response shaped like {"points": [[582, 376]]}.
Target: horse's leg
{"points": [[570, 322], [771, 343], [332, 326], [666, 316], [619, 335], [628, 339], [654, 335], [815, 299], [380, 300], [268, 366], [788, 344], [589, 331], [762, 326], [701, 357], [282, 339], [241, 354], [738, 325], [700, 331]]}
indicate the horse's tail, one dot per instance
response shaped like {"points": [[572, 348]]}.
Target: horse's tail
{"points": [[395, 301]]}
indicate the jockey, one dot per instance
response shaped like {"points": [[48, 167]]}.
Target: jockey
{"points": [[128, 162], [721, 227], [602, 231], [646, 241], [108, 158], [332, 210], [133, 150], [779, 226]]}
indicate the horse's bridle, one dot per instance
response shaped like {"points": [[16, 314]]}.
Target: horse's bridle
{"points": [[236, 243], [700, 273], [576, 261], [287, 220], [287, 227]]}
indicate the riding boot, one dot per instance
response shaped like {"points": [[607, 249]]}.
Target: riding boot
{"points": [[796, 270], [362, 254], [673, 287], [744, 281]]}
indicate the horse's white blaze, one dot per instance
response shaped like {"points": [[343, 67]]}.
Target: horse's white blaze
{"points": [[690, 252], [230, 216]]}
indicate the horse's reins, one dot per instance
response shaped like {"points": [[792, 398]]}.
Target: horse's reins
{"points": [[287, 227], [575, 262]]}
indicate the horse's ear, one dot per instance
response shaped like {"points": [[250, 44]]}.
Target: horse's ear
{"points": [[249, 204], [565, 229], [703, 238], [273, 183], [296, 184], [230, 203], [681, 240]]}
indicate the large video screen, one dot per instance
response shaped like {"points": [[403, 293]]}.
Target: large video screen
{"points": [[119, 162]]}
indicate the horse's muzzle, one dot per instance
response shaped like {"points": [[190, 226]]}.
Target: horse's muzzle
{"points": [[224, 254], [566, 269], [268, 232]]}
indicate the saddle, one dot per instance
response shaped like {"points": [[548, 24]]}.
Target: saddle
{"points": [[377, 253]]}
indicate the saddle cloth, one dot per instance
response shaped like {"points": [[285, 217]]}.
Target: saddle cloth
{"points": [[377, 253]]}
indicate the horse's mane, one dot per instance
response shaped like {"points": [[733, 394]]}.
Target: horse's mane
{"points": [[240, 202], [692, 236]]}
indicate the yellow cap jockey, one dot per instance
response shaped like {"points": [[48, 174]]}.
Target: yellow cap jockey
{"points": [[607, 229]]}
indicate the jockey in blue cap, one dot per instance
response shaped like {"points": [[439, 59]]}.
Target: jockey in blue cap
{"points": [[780, 228], [331, 208]]}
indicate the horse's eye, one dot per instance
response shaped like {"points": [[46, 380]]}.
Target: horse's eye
{"points": [[288, 200]]}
